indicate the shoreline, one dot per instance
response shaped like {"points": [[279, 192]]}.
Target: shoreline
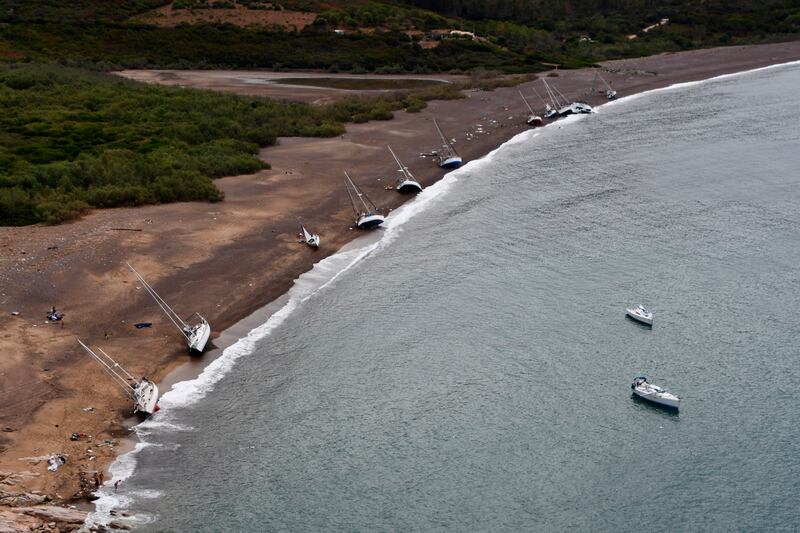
{"points": [[190, 372], [177, 270]]}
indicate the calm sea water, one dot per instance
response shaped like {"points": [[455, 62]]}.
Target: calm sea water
{"points": [[472, 372]]}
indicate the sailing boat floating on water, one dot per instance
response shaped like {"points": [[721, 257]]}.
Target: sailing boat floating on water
{"points": [[406, 182], [196, 335], [144, 393], [367, 215], [533, 118], [448, 157]]}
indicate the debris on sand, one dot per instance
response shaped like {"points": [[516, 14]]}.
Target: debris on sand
{"points": [[55, 462]]}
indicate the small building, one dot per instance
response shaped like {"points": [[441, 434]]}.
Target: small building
{"points": [[458, 34]]}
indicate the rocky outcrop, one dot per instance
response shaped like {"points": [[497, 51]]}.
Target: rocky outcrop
{"points": [[22, 499], [41, 518]]}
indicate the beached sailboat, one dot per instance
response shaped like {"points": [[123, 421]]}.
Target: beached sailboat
{"points": [[196, 334], [367, 215], [551, 108], [561, 104], [533, 119], [549, 111], [311, 239], [447, 157], [406, 182], [611, 94], [144, 392]]}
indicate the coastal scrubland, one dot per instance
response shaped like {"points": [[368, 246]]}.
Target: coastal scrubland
{"points": [[71, 139]]}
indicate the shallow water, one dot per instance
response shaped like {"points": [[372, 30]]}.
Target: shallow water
{"points": [[473, 371]]}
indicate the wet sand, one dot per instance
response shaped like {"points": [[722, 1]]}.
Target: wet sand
{"points": [[226, 260]]}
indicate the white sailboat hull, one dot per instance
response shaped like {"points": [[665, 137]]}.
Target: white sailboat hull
{"points": [[661, 398], [198, 336], [370, 221], [575, 108], [311, 239], [640, 316], [146, 398], [451, 162], [534, 120], [408, 185]]}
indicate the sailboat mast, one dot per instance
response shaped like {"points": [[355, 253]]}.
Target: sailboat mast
{"points": [[110, 370], [350, 194], [539, 96], [360, 195], [564, 98], [550, 94], [171, 314], [444, 139], [526, 101], [400, 165]]}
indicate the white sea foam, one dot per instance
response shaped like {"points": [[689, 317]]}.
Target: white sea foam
{"points": [[686, 84]]}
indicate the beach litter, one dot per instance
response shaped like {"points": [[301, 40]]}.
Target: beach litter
{"points": [[14, 313], [55, 462], [140, 325], [88, 409]]}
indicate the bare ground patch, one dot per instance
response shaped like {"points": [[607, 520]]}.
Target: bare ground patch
{"points": [[238, 15]]}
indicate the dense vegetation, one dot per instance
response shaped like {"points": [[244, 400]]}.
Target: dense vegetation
{"points": [[518, 35], [71, 139]]}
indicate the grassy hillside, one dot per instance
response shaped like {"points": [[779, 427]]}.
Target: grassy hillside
{"points": [[386, 36]]}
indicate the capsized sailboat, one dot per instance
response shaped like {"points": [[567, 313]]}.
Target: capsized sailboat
{"points": [[143, 393], [196, 334], [367, 215], [561, 104], [533, 118], [311, 239], [406, 182], [447, 157]]}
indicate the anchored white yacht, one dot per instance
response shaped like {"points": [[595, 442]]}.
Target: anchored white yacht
{"points": [[641, 314], [406, 182], [653, 393], [367, 215], [196, 334], [143, 393], [311, 239]]}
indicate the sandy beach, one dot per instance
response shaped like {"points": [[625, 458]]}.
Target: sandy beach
{"points": [[223, 260]]}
